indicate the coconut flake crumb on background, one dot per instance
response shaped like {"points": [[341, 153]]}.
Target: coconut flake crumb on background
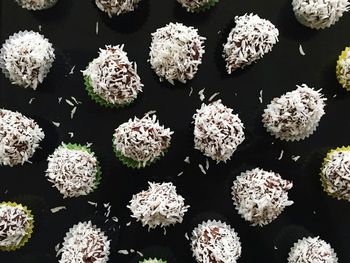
{"points": [[96, 28], [31, 100], [191, 90], [57, 124], [123, 252], [57, 209], [39, 27], [187, 160], [202, 169], [150, 112], [335, 95], [71, 134], [186, 236], [260, 96], [59, 100], [201, 94], [92, 203], [69, 102], [73, 112], [71, 72], [281, 155], [77, 102], [275, 248], [180, 173], [301, 50], [295, 158], [128, 223], [206, 164], [213, 96]]}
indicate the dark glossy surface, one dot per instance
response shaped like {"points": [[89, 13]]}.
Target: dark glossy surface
{"points": [[70, 26]]}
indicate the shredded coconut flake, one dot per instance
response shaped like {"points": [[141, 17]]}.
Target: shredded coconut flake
{"points": [[180, 173], [191, 91], [212, 97], [301, 50], [57, 209], [261, 96], [295, 158], [187, 160], [202, 169], [201, 94], [73, 112], [96, 28], [123, 252], [31, 100], [57, 124], [281, 155]]}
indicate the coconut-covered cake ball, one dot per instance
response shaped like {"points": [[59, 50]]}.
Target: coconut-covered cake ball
{"points": [[217, 131], [20, 136], [26, 58], [343, 69], [140, 142], [74, 170], [312, 250], [197, 5], [36, 4], [248, 41], [176, 52], [215, 242], [85, 243], [111, 79], [295, 115], [260, 196], [117, 7], [158, 206], [319, 14], [16, 226]]}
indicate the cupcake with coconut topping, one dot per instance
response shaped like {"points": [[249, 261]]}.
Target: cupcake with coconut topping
{"points": [[16, 226], [312, 250], [197, 5], [26, 58], [249, 41], [260, 196], [343, 69], [74, 170], [319, 14], [20, 137], [111, 79], [295, 115], [117, 7], [214, 241], [158, 206], [140, 142], [36, 4], [217, 131], [176, 52], [85, 243]]}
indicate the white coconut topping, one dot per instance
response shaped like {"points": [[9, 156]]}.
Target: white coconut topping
{"points": [[312, 250], [14, 225], [73, 172], [160, 205], [113, 77], [249, 40], [176, 52], [260, 196], [142, 140], [344, 69], [26, 58], [19, 137], [117, 7], [192, 5], [85, 243], [217, 131], [213, 241], [319, 14], [336, 172], [295, 115], [36, 4]]}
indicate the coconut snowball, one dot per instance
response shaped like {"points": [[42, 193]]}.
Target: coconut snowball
{"points": [[85, 243], [312, 250], [196, 5], [319, 14], [260, 196], [343, 69], [19, 138], [160, 205], [113, 77], [214, 241], [117, 7], [14, 225], [26, 58], [248, 41], [217, 131], [72, 171], [295, 115], [176, 52], [36, 4]]}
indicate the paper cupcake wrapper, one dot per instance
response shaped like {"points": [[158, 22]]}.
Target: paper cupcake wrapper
{"points": [[26, 238], [47, 5], [203, 8], [341, 57]]}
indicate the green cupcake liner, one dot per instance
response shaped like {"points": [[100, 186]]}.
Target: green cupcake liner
{"points": [[341, 81], [154, 260], [205, 7]]}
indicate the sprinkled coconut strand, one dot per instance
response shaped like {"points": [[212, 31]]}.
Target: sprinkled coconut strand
{"points": [[249, 40], [312, 249], [176, 52], [214, 241], [217, 131], [160, 205], [319, 14], [260, 196], [36, 4], [85, 243], [344, 69], [295, 115], [26, 57], [19, 137], [117, 7]]}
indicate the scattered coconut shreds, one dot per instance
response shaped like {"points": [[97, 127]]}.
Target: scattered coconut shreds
{"points": [[202, 169], [260, 96], [201, 94], [187, 160], [281, 155], [115, 219], [69, 103], [128, 224], [92, 203], [39, 27], [57, 209], [213, 96], [132, 250], [301, 50], [75, 100], [206, 164], [123, 252], [150, 112], [71, 134], [96, 28], [186, 236], [73, 112], [139, 253], [31, 100], [191, 91], [180, 173], [71, 72], [335, 95], [57, 124], [59, 99], [88, 144], [164, 231], [295, 158]]}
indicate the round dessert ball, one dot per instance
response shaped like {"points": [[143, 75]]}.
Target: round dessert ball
{"points": [[36, 4], [16, 226], [295, 115], [74, 170], [176, 52], [111, 79], [260, 196], [197, 5], [343, 69], [158, 206], [319, 14], [20, 136], [214, 241], [217, 131], [248, 41], [117, 7], [140, 142], [85, 243], [26, 58], [312, 250]]}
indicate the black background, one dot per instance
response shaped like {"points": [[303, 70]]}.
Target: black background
{"points": [[70, 26]]}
